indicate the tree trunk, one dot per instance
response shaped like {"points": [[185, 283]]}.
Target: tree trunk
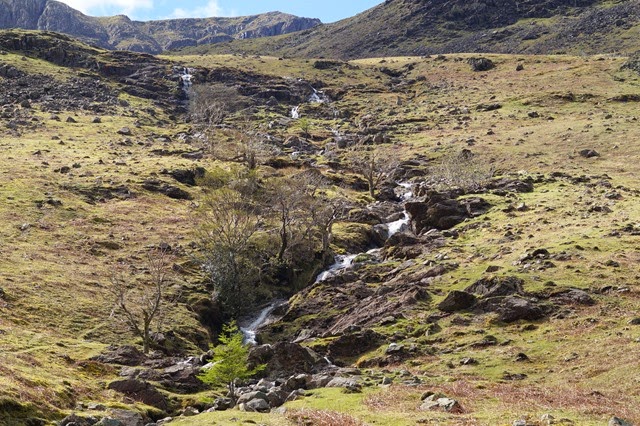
{"points": [[146, 332], [284, 241], [372, 189], [232, 393]]}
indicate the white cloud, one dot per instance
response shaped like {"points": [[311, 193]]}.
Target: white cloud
{"points": [[100, 7], [211, 9]]}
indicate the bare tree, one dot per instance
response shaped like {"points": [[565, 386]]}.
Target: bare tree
{"points": [[240, 145], [303, 213], [138, 306], [373, 162], [211, 104]]}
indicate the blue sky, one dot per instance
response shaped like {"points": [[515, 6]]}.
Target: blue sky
{"points": [[326, 10]]}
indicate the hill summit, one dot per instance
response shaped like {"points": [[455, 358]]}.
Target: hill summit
{"points": [[120, 32]]}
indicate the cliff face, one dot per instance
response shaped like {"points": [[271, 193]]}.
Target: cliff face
{"points": [[119, 32], [176, 33], [23, 14]]}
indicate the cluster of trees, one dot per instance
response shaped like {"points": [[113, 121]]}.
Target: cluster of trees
{"points": [[273, 232]]}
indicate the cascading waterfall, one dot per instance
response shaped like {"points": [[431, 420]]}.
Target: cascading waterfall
{"points": [[343, 262], [250, 330], [317, 97], [187, 79], [398, 225]]}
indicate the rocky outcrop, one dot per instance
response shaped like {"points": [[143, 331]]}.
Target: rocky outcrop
{"points": [[137, 74], [286, 358], [120, 32], [141, 391], [441, 211]]}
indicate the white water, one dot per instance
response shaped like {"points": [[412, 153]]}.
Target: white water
{"points": [[295, 112], [402, 223], [342, 262], [250, 330], [317, 97], [408, 194], [186, 79], [398, 225]]}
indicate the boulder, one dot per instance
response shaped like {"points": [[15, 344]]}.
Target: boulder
{"points": [[141, 391], [108, 421], [121, 355], [481, 64], [299, 381], [277, 396], [75, 420], [457, 301], [182, 377], [354, 344], [127, 418], [345, 383], [616, 421], [589, 153], [222, 404], [256, 406], [438, 402], [319, 381], [573, 296], [188, 176], [246, 397], [504, 185], [442, 212], [496, 286], [284, 359], [510, 308], [170, 191]]}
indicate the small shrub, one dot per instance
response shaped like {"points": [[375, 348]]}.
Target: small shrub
{"points": [[463, 170]]}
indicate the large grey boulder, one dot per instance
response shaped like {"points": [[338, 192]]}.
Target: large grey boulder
{"points": [[457, 301], [496, 286], [510, 308]]}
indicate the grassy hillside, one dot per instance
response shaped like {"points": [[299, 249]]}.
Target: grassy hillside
{"points": [[75, 208]]}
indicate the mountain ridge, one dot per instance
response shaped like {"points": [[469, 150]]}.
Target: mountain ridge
{"points": [[415, 28], [121, 33]]}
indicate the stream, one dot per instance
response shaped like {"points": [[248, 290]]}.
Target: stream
{"points": [[250, 326], [343, 262], [317, 97]]}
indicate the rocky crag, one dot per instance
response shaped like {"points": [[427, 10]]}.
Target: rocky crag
{"points": [[121, 33]]}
